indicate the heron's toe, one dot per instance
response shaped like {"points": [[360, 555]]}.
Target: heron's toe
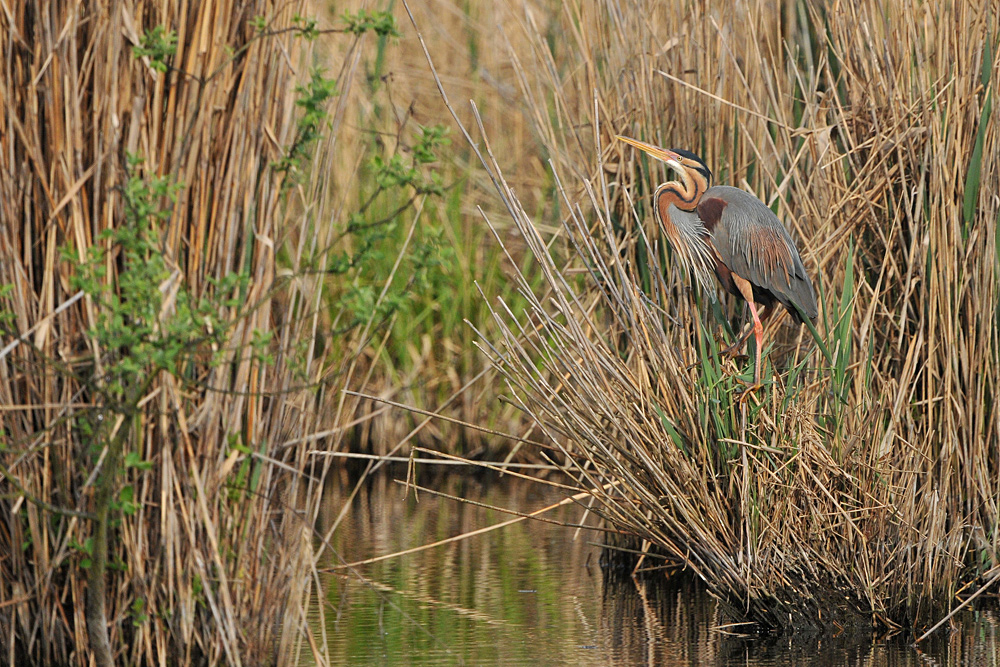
{"points": [[751, 389], [736, 356]]}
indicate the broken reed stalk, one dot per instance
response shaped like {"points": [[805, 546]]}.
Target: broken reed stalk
{"points": [[862, 490], [204, 567]]}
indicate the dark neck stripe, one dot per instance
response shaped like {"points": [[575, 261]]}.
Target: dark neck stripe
{"points": [[674, 193], [675, 189]]}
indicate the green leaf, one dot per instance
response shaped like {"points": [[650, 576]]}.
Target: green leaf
{"points": [[125, 500], [382, 23], [974, 174], [671, 431], [133, 460], [846, 314], [156, 44]]}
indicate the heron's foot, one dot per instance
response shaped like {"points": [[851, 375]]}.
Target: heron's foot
{"points": [[751, 389], [729, 351], [727, 368], [736, 356]]}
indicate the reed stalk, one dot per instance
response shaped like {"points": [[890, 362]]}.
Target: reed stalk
{"points": [[160, 390], [861, 486]]}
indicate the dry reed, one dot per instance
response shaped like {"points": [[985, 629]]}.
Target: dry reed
{"points": [[435, 365], [214, 565], [872, 487], [862, 486]]}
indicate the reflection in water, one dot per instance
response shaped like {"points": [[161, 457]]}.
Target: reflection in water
{"points": [[535, 593]]}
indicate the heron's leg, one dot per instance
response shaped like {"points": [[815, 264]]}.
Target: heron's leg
{"points": [[746, 289], [758, 333], [734, 349]]}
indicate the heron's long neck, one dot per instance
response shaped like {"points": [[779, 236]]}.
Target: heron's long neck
{"points": [[684, 194], [675, 205], [682, 226]]}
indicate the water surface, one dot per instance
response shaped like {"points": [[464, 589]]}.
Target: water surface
{"points": [[537, 594]]}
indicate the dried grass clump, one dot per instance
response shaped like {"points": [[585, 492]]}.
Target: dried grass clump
{"points": [[214, 563], [863, 484]]}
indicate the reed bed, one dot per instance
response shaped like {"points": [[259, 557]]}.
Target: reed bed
{"points": [[210, 551], [862, 485], [429, 360]]}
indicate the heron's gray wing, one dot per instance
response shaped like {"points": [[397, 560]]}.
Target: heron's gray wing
{"points": [[753, 243]]}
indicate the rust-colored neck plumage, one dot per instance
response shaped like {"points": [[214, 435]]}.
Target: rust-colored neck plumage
{"points": [[683, 194], [681, 224]]}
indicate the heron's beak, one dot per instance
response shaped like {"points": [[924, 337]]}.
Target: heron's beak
{"points": [[672, 159]]}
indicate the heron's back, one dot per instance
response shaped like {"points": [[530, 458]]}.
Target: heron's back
{"points": [[754, 245]]}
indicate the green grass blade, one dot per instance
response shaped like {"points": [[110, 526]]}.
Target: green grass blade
{"points": [[974, 174]]}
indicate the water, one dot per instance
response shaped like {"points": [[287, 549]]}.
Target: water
{"points": [[536, 594]]}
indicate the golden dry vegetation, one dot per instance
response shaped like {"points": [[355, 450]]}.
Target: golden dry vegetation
{"points": [[862, 484]]}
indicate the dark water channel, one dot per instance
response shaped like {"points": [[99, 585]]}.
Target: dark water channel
{"points": [[536, 594]]}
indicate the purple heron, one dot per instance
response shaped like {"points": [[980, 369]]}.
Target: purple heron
{"points": [[726, 231]]}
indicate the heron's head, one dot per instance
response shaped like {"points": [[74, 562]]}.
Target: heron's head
{"points": [[682, 161]]}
